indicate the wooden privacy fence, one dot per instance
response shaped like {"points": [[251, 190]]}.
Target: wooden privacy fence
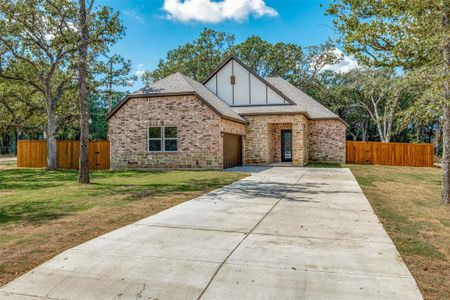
{"points": [[33, 154], [391, 154]]}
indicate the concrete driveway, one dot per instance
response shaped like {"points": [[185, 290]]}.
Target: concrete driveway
{"points": [[282, 233]]}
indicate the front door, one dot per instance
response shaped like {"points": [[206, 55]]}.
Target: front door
{"points": [[286, 145]]}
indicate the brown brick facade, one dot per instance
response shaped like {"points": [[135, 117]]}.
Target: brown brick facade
{"points": [[200, 135], [326, 140], [275, 140], [199, 139], [259, 147]]}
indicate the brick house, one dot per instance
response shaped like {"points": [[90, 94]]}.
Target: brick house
{"points": [[234, 117]]}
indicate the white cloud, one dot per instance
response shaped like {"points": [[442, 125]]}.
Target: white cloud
{"points": [[134, 15], [347, 63], [209, 11], [140, 70], [139, 73]]}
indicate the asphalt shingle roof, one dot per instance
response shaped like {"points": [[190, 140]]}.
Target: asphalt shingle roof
{"points": [[179, 83], [303, 103]]}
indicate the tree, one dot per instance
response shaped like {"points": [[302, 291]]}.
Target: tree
{"points": [[379, 95], [21, 109], [315, 59], [113, 72], [407, 34], [196, 59], [98, 30], [98, 110], [38, 42], [269, 60], [199, 58], [337, 92], [82, 83]]}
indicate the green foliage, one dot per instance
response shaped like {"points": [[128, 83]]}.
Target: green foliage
{"points": [[270, 60], [199, 58], [377, 103], [39, 60], [196, 59], [98, 110], [392, 33], [406, 34]]}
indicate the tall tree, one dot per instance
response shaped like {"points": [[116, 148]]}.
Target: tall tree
{"points": [[99, 28], [83, 93], [380, 92], [196, 59], [200, 57], [113, 72], [270, 60], [410, 34], [39, 41]]}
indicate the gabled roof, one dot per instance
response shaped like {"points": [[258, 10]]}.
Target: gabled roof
{"points": [[302, 103], [179, 84], [233, 57]]}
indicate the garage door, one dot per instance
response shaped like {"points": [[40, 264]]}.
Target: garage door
{"points": [[232, 150]]}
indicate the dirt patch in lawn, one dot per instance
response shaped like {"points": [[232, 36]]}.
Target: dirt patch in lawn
{"points": [[407, 202], [58, 213]]}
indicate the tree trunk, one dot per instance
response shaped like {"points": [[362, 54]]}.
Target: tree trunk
{"points": [[446, 130], [110, 87], [16, 139], [446, 156], [364, 129], [436, 140], [51, 136], [109, 102], [84, 107]]}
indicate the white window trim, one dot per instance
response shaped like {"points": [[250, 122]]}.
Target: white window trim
{"points": [[162, 139]]}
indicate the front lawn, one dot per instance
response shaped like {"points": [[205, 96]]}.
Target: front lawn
{"points": [[407, 202], [43, 213]]}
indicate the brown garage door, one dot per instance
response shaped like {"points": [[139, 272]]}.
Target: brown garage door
{"points": [[232, 150]]}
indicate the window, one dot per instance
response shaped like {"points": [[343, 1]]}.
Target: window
{"points": [[170, 139], [162, 139]]}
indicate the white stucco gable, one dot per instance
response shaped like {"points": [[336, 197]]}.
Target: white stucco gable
{"points": [[237, 85]]}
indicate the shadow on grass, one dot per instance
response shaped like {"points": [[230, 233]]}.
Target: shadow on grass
{"points": [[38, 211], [69, 198], [33, 179]]}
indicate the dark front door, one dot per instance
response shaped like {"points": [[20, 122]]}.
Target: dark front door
{"points": [[286, 145]]}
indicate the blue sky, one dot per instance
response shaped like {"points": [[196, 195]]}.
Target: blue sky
{"points": [[155, 26]]}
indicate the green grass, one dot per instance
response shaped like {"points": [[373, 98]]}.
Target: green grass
{"points": [[43, 213], [35, 195], [407, 201], [9, 163]]}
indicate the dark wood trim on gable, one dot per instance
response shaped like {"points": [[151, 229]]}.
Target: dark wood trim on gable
{"points": [[233, 57], [232, 85]]}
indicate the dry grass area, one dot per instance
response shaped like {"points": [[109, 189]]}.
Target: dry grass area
{"points": [[44, 213], [407, 202]]}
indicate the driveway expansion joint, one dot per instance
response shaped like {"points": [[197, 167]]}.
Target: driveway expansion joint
{"points": [[273, 235], [250, 232]]}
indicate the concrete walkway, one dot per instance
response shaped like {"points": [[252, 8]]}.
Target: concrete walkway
{"points": [[282, 233]]}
